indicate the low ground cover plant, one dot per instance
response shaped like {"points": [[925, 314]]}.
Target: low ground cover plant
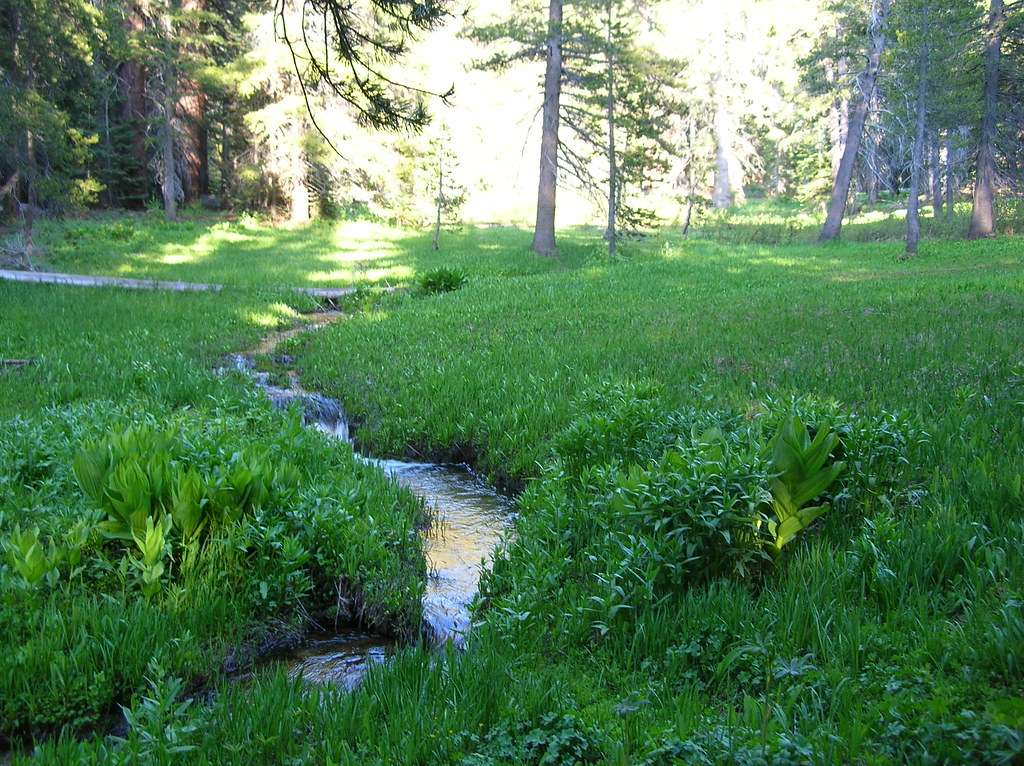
{"points": [[178, 539]]}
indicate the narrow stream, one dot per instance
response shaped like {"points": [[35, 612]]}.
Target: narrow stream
{"points": [[468, 519]]}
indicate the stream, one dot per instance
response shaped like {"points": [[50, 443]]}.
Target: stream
{"points": [[468, 519]]}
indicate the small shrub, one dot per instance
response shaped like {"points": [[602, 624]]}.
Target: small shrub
{"points": [[441, 280]]}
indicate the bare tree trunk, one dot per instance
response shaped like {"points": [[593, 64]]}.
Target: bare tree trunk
{"points": [[544, 230], [983, 217], [950, 175], [689, 178], [917, 158], [866, 81], [610, 233], [133, 76], [722, 193], [840, 122], [227, 165], [194, 141], [192, 107], [870, 169], [167, 188], [936, 170], [436, 244]]}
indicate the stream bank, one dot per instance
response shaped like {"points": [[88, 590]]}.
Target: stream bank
{"points": [[467, 521]]}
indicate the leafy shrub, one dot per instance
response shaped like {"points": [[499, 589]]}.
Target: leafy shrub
{"points": [[441, 280], [141, 480], [640, 504], [554, 740]]}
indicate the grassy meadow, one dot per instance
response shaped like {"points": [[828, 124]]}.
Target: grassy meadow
{"points": [[644, 612]]}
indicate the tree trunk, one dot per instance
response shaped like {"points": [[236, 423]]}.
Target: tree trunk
{"points": [[544, 230], [610, 233], [167, 188], [950, 176], [226, 163], [871, 174], [840, 122], [192, 108], [722, 195], [936, 170], [194, 141], [436, 244], [917, 159], [983, 218], [868, 78], [133, 112]]}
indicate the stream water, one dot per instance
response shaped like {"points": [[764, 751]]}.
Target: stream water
{"points": [[468, 518]]}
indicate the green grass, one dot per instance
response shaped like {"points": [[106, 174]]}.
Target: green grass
{"points": [[891, 631], [83, 640], [250, 253]]}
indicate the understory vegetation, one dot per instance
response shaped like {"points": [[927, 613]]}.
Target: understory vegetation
{"points": [[770, 503]]}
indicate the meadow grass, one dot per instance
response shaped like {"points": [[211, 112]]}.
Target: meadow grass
{"points": [[251, 253], [891, 631]]}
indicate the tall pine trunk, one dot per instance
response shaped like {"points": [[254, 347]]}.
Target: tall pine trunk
{"points": [[436, 243], [983, 217], [723, 194], [870, 169], [840, 121], [917, 159], [950, 175], [192, 108], [936, 170], [133, 111], [547, 186], [194, 141], [868, 78], [610, 233], [167, 188]]}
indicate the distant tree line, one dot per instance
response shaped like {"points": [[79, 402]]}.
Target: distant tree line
{"points": [[237, 103]]}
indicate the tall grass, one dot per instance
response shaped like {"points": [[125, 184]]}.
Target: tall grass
{"points": [[890, 631]]}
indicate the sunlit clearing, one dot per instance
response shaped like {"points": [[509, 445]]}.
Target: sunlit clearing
{"points": [[273, 316]]}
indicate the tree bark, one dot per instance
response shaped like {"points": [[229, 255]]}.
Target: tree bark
{"points": [[840, 123], [866, 81], [544, 229], [935, 163], [436, 244], [723, 193], [983, 218], [917, 159], [871, 183], [167, 188], [194, 141], [610, 233], [133, 112], [192, 108], [950, 176]]}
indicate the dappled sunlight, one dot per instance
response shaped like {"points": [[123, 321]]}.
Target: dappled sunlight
{"points": [[176, 259], [272, 316]]}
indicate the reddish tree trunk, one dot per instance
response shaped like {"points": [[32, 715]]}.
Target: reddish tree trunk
{"points": [[133, 111], [194, 140], [193, 137]]}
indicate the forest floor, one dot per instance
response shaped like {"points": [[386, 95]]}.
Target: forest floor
{"points": [[631, 400]]}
